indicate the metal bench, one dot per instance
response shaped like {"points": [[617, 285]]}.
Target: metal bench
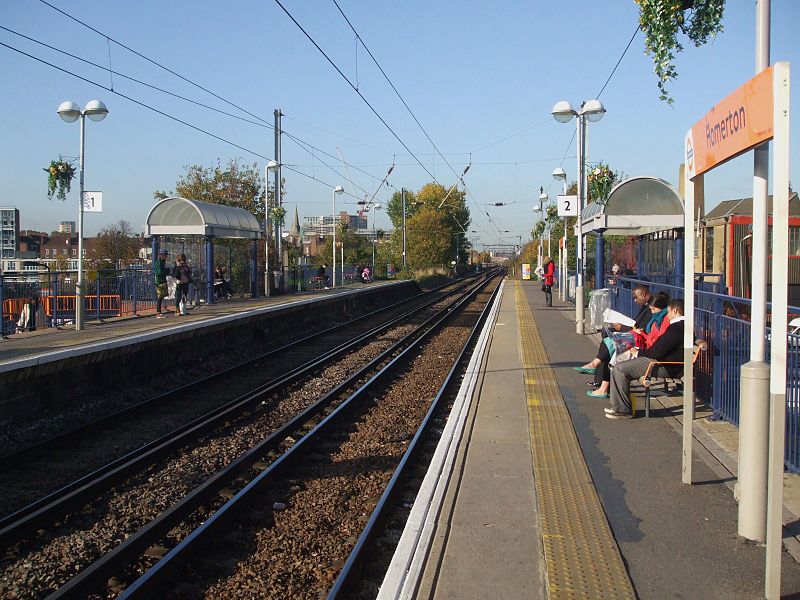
{"points": [[651, 378], [317, 282]]}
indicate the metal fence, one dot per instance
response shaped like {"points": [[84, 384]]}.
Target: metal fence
{"points": [[723, 321], [128, 292], [107, 294]]}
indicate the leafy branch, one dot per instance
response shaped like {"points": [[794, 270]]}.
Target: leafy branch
{"points": [[662, 21]]}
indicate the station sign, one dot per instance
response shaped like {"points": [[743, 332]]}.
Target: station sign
{"points": [[567, 206], [526, 271], [740, 122], [93, 202]]}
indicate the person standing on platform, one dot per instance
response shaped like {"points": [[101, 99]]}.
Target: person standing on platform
{"points": [[160, 275], [548, 279], [183, 276]]}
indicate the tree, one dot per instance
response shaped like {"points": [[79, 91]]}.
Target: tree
{"points": [[115, 245], [428, 239], [455, 220], [357, 248], [235, 185], [662, 21]]}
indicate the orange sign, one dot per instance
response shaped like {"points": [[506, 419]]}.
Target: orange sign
{"points": [[739, 122]]}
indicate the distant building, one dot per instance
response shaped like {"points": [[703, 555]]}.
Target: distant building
{"points": [[322, 226], [67, 227], [9, 231], [32, 241]]}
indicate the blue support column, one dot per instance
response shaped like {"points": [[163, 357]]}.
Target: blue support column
{"points": [[253, 267], [599, 261], [679, 252], [209, 269], [640, 266]]}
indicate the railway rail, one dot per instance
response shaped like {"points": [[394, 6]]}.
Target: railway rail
{"points": [[203, 500]]}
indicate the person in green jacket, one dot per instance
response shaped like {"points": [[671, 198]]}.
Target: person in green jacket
{"points": [[160, 274]]}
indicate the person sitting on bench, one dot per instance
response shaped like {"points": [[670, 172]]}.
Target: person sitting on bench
{"points": [[222, 287], [643, 298], [322, 276], [668, 347]]}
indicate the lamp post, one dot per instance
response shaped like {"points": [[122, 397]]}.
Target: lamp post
{"points": [[560, 175], [337, 190], [71, 112], [563, 112], [543, 199], [272, 167], [375, 209]]}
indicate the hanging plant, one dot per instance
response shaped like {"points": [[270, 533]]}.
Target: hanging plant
{"points": [[601, 181], [279, 215], [59, 178], [662, 20]]}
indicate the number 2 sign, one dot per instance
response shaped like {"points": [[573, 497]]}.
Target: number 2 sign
{"points": [[568, 206]]}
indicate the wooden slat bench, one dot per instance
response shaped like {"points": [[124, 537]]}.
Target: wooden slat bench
{"points": [[651, 377]]}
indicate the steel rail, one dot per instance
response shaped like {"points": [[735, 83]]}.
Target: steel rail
{"points": [[63, 439], [355, 560], [22, 522], [145, 586], [98, 572]]}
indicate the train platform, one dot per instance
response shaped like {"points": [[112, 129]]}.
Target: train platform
{"points": [[40, 369], [546, 498], [52, 342]]}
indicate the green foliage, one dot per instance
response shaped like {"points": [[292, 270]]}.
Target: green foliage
{"points": [[115, 245], [662, 21], [601, 180], [234, 185], [59, 178]]}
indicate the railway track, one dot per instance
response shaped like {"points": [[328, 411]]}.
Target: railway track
{"points": [[35, 471], [273, 421]]}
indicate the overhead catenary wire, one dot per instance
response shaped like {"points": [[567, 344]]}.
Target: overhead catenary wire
{"points": [[260, 123], [355, 89], [162, 113], [389, 81]]}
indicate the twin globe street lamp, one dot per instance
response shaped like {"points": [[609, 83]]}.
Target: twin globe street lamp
{"points": [[563, 112], [71, 112]]}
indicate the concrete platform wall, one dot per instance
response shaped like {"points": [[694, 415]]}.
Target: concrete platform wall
{"points": [[41, 384]]}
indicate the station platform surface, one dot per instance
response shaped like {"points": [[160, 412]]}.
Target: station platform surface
{"points": [[54, 343], [549, 499]]}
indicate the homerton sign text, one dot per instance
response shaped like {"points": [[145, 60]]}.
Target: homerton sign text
{"points": [[741, 121]]}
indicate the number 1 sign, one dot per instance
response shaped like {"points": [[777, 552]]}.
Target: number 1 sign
{"points": [[567, 206]]}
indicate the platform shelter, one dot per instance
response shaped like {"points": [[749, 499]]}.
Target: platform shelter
{"points": [[637, 206], [176, 216]]}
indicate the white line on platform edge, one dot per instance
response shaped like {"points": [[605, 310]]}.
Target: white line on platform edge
{"points": [[408, 562]]}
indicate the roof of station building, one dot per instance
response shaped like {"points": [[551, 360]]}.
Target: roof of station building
{"points": [[743, 207], [181, 216], [635, 206]]}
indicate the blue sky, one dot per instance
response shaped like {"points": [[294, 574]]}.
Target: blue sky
{"points": [[473, 73]]}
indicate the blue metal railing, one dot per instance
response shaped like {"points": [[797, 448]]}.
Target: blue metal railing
{"points": [[723, 321], [108, 293]]}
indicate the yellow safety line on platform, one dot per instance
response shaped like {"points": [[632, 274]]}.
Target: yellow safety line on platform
{"points": [[581, 555]]}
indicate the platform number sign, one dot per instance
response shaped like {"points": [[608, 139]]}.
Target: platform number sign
{"points": [[567, 206]]}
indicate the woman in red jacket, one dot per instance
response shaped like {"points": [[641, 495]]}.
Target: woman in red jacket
{"points": [[548, 279]]}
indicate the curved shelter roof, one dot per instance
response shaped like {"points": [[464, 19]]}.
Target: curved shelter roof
{"points": [[635, 206], [180, 216]]}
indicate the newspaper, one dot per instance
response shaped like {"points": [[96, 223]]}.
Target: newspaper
{"points": [[612, 316]]}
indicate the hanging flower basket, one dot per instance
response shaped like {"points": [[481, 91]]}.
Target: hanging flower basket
{"points": [[278, 215], [59, 178], [601, 180]]}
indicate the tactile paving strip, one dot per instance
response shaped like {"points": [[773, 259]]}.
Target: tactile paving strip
{"points": [[581, 555]]}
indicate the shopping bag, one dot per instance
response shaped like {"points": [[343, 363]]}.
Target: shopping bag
{"points": [[171, 286]]}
